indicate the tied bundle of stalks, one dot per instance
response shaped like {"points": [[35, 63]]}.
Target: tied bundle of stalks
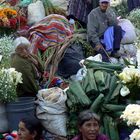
{"points": [[51, 9], [56, 56]]}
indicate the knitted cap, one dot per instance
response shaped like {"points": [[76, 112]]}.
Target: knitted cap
{"points": [[104, 1]]}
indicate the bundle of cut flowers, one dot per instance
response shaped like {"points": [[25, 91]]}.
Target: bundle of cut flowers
{"points": [[6, 48], [132, 116], [130, 78], [6, 14], [10, 18], [9, 79]]}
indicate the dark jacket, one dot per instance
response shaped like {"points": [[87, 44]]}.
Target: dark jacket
{"points": [[30, 75]]}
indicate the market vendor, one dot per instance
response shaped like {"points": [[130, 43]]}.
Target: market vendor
{"points": [[30, 67], [89, 126], [103, 31]]}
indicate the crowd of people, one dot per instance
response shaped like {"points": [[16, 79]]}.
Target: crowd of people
{"points": [[103, 33]]}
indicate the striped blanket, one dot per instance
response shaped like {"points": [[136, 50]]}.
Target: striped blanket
{"points": [[49, 32]]}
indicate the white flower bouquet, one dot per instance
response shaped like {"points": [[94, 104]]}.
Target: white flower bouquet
{"points": [[132, 116], [9, 79], [6, 48], [134, 17], [130, 78]]}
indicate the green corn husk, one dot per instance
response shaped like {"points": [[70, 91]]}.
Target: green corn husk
{"points": [[106, 122], [100, 80], [113, 84], [48, 7], [113, 130], [96, 104], [89, 84], [116, 92], [103, 65], [76, 89], [117, 114], [85, 83], [91, 80], [71, 97], [107, 82], [112, 107]]}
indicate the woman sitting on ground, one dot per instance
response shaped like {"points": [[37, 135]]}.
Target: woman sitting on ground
{"points": [[30, 67], [89, 126]]}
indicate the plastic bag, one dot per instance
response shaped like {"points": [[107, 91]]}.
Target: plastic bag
{"points": [[24, 3], [36, 12], [69, 65], [52, 110], [130, 35]]}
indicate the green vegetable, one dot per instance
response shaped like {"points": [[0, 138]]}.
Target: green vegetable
{"points": [[71, 97], [106, 124], [112, 107], [113, 130], [76, 89], [116, 92], [102, 65], [113, 84], [91, 80], [96, 104], [100, 80]]}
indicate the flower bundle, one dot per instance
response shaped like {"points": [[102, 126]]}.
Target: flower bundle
{"points": [[132, 116], [9, 79], [134, 17], [5, 15], [6, 48], [135, 135], [130, 78]]}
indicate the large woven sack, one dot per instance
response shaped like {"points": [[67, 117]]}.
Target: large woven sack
{"points": [[130, 35], [36, 12], [51, 110]]}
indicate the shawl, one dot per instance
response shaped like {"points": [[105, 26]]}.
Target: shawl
{"points": [[49, 32]]}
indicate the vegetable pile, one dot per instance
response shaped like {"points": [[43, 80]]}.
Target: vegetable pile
{"points": [[100, 92]]}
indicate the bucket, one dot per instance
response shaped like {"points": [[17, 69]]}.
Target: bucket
{"points": [[24, 107], [3, 119]]}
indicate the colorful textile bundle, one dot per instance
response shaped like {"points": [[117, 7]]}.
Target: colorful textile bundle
{"points": [[9, 136], [49, 32]]}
